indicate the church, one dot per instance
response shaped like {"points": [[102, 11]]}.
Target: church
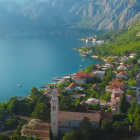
{"points": [[63, 122]]}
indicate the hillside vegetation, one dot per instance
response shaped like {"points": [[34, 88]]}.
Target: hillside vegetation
{"points": [[121, 42]]}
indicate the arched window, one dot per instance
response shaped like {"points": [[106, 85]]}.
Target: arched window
{"points": [[54, 107]]}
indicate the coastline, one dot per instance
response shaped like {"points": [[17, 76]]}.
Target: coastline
{"points": [[91, 56]]}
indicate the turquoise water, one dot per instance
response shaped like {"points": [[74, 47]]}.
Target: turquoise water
{"points": [[34, 61]]}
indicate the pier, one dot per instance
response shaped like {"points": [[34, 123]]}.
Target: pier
{"points": [[57, 78]]}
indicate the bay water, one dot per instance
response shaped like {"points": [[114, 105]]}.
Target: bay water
{"points": [[34, 61]]}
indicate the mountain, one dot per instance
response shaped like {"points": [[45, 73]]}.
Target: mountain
{"points": [[89, 14], [121, 42]]}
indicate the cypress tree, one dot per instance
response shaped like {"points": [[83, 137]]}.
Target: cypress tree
{"points": [[123, 104], [50, 134]]}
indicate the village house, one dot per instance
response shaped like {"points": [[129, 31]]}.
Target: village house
{"points": [[108, 65], [122, 67], [118, 90], [81, 77], [115, 96], [78, 96], [63, 122], [96, 86], [132, 55], [115, 105], [122, 75], [103, 104], [100, 74], [73, 86], [99, 66], [119, 85], [124, 58], [116, 62], [116, 87], [92, 101]]}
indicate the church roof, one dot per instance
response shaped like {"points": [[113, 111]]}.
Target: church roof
{"points": [[77, 116]]}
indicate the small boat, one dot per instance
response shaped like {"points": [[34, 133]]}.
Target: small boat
{"points": [[80, 65], [19, 85]]}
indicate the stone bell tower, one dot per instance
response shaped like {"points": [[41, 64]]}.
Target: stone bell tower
{"points": [[54, 114]]}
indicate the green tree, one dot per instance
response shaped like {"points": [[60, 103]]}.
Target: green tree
{"points": [[41, 112], [4, 137], [106, 127], [123, 104], [17, 132], [90, 68], [50, 134], [73, 135], [35, 94], [96, 106], [131, 110], [137, 124], [119, 129], [85, 129]]}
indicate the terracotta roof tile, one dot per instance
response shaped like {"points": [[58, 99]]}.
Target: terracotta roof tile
{"points": [[118, 83], [96, 85], [77, 116], [132, 53], [110, 87], [72, 86], [81, 74], [122, 73]]}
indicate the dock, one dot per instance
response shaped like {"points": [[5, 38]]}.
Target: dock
{"points": [[57, 78]]}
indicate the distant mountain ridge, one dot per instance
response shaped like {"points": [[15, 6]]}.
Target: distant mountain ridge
{"points": [[92, 14]]}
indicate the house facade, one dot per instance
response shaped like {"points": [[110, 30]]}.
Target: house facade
{"points": [[100, 74], [123, 75], [124, 58], [132, 55]]}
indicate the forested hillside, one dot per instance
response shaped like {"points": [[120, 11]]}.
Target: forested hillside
{"points": [[121, 42]]}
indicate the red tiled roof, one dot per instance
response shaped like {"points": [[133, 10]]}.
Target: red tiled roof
{"points": [[78, 77], [132, 53], [110, 87], [117, 100], [77, 116], [122, 73], [117, 95], [81, 74], [96, 85], [118, 83], [78, 94], [105, 115], [93, 72], [90, 75], [72, 86]]}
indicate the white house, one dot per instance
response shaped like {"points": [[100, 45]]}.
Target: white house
{"points": [[132, 55], [100, 74], [124, 58], [78, 96], [80, 78], [73, 86], [123, 75], [92, 101], [122, 66]]}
